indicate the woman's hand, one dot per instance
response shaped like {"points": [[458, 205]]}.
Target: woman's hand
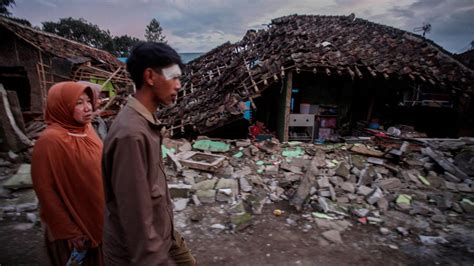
{"points": [[80, 243]]}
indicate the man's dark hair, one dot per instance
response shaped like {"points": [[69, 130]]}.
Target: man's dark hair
{"points": [[150, 55]]}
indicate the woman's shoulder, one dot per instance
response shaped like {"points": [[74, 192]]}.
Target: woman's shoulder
{"points": [[51, 135]]}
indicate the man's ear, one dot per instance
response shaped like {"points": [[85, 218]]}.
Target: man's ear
{"points": [[148, 77]]}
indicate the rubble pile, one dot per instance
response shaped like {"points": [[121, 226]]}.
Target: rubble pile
{"points": [[412, 188], [419, 188]]}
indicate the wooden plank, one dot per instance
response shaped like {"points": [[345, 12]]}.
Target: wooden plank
{"points": [[444, 163], [15, 138], [366, 151], [16, 109]]}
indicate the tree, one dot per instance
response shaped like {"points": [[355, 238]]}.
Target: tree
{"points": [[154, 32], [21, 21], [124, 44], [81, 31], [4, 5]]}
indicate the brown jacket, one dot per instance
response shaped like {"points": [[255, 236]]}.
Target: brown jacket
{"points": [[139, 214]]}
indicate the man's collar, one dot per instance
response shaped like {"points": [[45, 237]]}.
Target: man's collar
{"points": [[141, 109]]}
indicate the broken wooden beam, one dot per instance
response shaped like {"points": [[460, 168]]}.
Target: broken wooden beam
{"points": [[444, 163], [15, 138]]}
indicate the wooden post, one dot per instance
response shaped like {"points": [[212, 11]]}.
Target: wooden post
{"points": [[284, 112]]}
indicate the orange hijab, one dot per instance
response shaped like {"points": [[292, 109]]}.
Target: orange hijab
{"points": [[66, 169]]}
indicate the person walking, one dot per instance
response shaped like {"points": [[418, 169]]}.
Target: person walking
{"points": [[139, 226]]}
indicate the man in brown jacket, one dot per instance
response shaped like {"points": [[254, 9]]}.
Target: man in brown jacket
{"points": [[138, 226]]}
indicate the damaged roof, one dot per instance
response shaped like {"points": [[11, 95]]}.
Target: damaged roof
{"points": [[467, 58], [61, 47], [216, 84]]}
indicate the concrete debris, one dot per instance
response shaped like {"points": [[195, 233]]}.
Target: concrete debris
{"points": [[361, 212], [179, 190], [205, 185], [231, 184], [348, 187], [384, 231], [420, 192], [389, 184], [206, 196], [23, 226], [245, 171], [218, 226], [306, 183], [451, 178], [377, 161], [244, 185], [180, 204], [22, 179], [375, 196], [196, 200], [241, 220], [225, 195], [402, 231], [463, 187], [364, 190], [467, 205], [432, 240], [333, 236]]}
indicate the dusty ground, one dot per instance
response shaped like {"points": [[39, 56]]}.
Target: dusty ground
{"points": [[269, 240]]}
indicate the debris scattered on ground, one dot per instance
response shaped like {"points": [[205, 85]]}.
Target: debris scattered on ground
{"points": [[419, 194]]}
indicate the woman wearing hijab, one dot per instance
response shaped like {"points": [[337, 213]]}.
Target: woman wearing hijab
{"points": [[97, 122], [67, 178]]}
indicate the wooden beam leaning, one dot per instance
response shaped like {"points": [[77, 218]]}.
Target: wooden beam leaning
{"points": [[110, 78], [351, 73], [251, 78]]}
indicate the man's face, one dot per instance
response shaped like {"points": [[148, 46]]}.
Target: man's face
{"points": [[167, 84]]}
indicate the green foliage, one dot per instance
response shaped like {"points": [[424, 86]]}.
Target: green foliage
{"points": [[154, 32], [124, 44], [21, 21], [90, 34], [81, 31], [4, 5]]}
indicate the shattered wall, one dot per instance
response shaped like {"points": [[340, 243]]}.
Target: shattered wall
{"points": [[17, 53]]}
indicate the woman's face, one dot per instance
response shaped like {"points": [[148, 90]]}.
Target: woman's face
{"points": [[83, 109]]}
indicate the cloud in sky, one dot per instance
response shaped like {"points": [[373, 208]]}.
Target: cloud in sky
{"points": [[200, 25]]}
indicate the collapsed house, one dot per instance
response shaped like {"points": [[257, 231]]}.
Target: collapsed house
{"points": [[308, 77], [467, 58], [31, 61]]}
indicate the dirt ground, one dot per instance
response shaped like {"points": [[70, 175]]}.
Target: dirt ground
{"points": [[268, 240]]}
